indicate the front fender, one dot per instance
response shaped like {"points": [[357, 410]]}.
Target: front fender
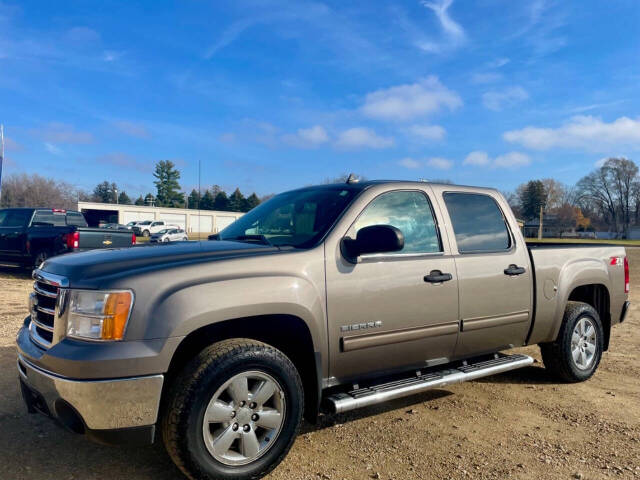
{"points": [[192, 307]]}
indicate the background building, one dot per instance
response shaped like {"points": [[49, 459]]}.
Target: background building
{"points": [[192, 221]]}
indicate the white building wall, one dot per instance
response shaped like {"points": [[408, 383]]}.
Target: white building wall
{"points": [[211, 221]]}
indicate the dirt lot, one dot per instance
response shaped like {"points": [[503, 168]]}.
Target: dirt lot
{"points": [[517, 425]]}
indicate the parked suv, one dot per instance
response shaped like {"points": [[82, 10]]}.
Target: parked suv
{"points": [[148, 227], [333, 297]]}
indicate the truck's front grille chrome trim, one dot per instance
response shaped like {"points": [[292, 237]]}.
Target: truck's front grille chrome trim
{"points": [[36, 338], [41, 325], [46, 299], [43, 292], [48, 311]]}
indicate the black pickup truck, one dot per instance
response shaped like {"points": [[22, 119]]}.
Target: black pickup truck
{"points": [[28, 236]]}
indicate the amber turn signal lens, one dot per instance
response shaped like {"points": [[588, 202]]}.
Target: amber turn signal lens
{"points": [[116, 311]]}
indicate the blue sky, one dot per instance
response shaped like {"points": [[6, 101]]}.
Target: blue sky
{"points": [[272, 95]]}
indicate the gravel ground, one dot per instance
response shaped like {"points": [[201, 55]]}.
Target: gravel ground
{"points": [[517, 425]]}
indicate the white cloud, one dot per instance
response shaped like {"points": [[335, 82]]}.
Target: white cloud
{"points": [[433, 162], [439, 163], [360, 137], [410, 163], [482, 78], [56, 132], [497, 100], [580, 133], [477, 158], [404, 102], [132, 129], [498, 62], [512, 160], [427, 132], [453, 31], [307, 137], [53, 149]]}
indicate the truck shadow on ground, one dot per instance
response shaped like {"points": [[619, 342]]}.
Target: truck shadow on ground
{"points": [[532, 375], [15, 273]]}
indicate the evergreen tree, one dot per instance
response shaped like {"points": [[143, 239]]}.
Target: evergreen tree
{"points": [[207, 201], [105, 192], [252, 202], [532, 197], [124, 199], [166, 183], [237, 202], [221, 202], [139, 200], [194, 199]]}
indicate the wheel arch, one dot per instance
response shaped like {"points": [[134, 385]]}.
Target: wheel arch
{"points": [[288, 333], [596, 295]]}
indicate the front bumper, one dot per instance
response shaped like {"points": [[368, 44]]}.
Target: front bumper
{"points": [[108, 411]]}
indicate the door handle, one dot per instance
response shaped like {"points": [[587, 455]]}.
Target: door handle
{"points": [[513, 269], [436, 276]]}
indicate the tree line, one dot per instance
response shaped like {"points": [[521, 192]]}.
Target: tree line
{"points": [[169, 194], [608, 198], [23, 190]]}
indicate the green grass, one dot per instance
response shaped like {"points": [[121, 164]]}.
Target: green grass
{"points": [[584, 240]]}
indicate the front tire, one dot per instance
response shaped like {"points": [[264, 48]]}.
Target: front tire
{"points": [[233, 412], [576, 353], [146, 233]]}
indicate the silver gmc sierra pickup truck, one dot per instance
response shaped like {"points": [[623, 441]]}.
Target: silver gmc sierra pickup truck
{"points": [[325, 298]]}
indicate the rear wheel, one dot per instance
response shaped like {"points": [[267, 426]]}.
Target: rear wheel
{"points": [[40, 257], [576, 353], [233, 412]]}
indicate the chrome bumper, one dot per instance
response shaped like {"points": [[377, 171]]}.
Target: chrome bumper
{"points": [[101, 404]]}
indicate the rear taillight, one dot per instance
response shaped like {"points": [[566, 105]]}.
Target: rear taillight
{"points": [[626, 275], [73, 240], [133, 239]]}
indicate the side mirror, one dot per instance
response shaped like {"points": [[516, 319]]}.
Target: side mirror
{"points": [[372, 239]]}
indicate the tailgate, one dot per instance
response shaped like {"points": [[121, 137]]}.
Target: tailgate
{"points": [[91, 238]]}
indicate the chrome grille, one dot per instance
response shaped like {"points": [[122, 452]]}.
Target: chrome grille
{"points": [[43, 303]]}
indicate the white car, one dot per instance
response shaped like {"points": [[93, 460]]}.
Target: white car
{"points": [[147, 228], [169, 235]]}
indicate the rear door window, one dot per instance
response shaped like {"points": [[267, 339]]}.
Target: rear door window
{"points": [[477, 222], [77, 219], [14, 218]]}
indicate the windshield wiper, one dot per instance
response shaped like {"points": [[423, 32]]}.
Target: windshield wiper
{"points": [[250, 238]]}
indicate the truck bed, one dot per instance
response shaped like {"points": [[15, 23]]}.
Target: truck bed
{"points": [[556, 266]]}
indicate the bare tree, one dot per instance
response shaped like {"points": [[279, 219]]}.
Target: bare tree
{"points": [[610, 190], [22, 190]]}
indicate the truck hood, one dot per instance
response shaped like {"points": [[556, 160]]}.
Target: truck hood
{"points": [[93, 264]]}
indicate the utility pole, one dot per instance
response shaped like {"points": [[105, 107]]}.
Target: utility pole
{"points": [[540, 226]]}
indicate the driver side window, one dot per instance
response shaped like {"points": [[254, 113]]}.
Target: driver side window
{"points": [[411, 213]]}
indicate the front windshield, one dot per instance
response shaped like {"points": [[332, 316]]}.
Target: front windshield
{"points": [[162, 232], [298, 218]]}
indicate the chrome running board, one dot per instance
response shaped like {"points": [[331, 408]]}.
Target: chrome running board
{"points": [[364, 397]]}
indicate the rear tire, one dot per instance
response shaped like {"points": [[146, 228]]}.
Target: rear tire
{"points": [[146, 233], [204, 408], [39, 257], [576, 353]]}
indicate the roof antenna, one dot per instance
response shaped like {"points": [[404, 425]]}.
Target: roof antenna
{"points": [[352, 178]]}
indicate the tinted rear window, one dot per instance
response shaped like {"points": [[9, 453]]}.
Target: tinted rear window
{"points": [[477, 223], [49, 217]]}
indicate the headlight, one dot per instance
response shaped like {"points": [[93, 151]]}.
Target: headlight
{"points": [[98, 315]]}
